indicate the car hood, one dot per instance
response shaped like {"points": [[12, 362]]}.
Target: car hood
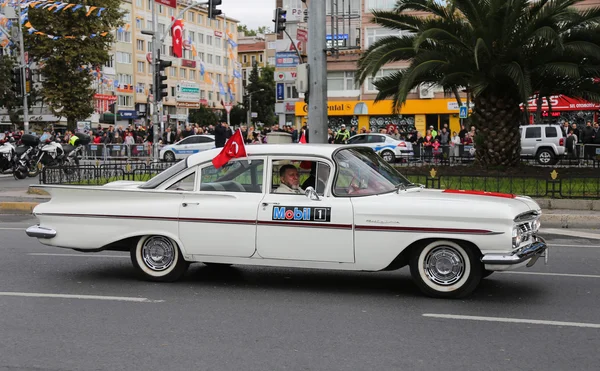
{"points": [[124, 184]]}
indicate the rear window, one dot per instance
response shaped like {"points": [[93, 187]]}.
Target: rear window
{"points": [[533, 132], [551, 132]]}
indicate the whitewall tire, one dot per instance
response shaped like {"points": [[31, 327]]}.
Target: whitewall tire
{"points": [[158, 258], [446, 269]]}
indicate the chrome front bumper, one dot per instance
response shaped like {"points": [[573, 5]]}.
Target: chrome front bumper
{"points": [[40, 232], [532, 253]]}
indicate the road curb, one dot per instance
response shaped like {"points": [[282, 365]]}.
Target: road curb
{"points": [[13, 207], [37, 191]]}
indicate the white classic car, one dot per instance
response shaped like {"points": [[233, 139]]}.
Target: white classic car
{"points": [[353, 212]]}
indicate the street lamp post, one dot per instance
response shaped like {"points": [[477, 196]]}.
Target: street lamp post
{"points": [[249, 113]]}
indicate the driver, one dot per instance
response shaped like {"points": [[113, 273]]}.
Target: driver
{"points": [[289, 179]]}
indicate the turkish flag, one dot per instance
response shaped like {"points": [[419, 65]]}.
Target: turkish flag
{"points": [[302, 138], [177, 33], [233, 148]]}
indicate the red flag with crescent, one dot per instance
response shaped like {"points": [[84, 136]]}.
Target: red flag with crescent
{"points": [[177, 33], [233, 148]]}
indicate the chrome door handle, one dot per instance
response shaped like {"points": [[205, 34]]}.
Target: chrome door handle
{"points": [[270, 203], [190, 203]]}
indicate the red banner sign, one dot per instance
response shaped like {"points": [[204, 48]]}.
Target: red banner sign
{"points": [[563, 103], [169, 3], [105, 97], [188, 63]]}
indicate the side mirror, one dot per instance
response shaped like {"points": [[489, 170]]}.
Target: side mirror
{"points": [[311, 193]]}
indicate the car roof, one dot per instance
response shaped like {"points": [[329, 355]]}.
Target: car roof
{"points": [[323, 150]]}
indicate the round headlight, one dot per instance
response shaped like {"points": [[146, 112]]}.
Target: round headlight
{"points": [[517, 236]]}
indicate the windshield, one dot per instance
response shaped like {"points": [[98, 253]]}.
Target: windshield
{"points": [[361, 172], [167, 174]]}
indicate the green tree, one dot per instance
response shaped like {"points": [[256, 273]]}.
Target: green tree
{"points": [[8, 97], [203, 116], [502, 51], [67, 62], [262, 87], [237, 116], [248, 32]]}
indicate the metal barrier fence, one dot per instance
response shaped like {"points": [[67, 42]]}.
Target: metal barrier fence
{"points": [[587, 155], [551, 185]]}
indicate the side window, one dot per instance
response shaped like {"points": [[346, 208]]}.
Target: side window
{"points": [[189, 140], [293, 177], [376, 139], [205, 140], [234, 176], [357, 139], [551, 132], [185, 184], [533, 132]]}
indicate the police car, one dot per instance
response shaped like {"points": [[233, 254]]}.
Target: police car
{"points": [[187, 146], [389, 148]]}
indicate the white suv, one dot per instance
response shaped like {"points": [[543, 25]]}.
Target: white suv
{"points": [[544, 142]]}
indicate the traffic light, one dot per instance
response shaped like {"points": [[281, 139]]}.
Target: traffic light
{"points": [[17, 82], [279, 19], [213, 12], [159, 78]]}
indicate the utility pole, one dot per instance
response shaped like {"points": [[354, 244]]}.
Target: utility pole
{"points": [[226, 57], [317, 60], [23, 68]]}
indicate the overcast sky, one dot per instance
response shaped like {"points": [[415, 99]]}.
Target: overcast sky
{"points": [[253, 13]]}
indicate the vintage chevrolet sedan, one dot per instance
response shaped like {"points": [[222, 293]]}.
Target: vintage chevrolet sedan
{"points": [[291, 205]]}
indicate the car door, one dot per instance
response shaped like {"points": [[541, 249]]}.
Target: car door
{"points": [[218, 218], [184, 147], [529, 143], [297, 227]]}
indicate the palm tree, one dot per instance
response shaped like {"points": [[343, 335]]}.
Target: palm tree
{"points": [[503, 51]]}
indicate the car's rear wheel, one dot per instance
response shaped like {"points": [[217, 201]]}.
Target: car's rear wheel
{"points": [[169, 156], [545, 157], [388, 156], [158, 258], [446, 269]]}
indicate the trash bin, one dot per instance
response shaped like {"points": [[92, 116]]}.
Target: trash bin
{"points": [[279, 138]]}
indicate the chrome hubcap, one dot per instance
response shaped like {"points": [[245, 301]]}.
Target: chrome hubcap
{"points": [[544, 157], [444, 265], [387, 157], [158, 253]]}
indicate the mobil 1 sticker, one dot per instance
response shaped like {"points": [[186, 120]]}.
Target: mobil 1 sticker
{"points": [[302, 214]]}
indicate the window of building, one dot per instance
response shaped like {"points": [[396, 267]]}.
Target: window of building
{"points": [[260, 58], [379, 5], [219, 78], [354, 6], [200, 38], [139, 3], [125, 100], [123, 57], [291, 92], [161, 9], [141, 66], [140, 87], [271, 61], [150, 4], [200, 19], [217, 42], [127, 17], [125, 79], [148, 25], [139, 45], [162, 28], [191, 16], [202, 94], [341, 80], [171, 12], [376, 34], [111, 61], [201, 56], [209, 39], [253, 59], [218, 60], [192, 36], [218, 97], [124, 36], [245, 58], [182, 73], [192, 74], [380, 74], [150, 46], [210, 96], [173, 91], [173, 71], [209, 59], [217, 24]]}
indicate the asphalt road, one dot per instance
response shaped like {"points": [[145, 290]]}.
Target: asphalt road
{"points": [[248, 318], [8, 182]]}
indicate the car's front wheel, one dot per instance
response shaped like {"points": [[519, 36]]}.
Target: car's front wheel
{"points": [[546, 157], [158, 258], [446, 269], [169, 156]]}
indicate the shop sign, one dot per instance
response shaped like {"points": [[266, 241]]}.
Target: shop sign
{"points": [[562, 103], [127, 114]]}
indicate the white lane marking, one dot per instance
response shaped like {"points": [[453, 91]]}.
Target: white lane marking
{"points": [[563, 245], [85, 255], [86, 297], [513, 320], [553, 274]]}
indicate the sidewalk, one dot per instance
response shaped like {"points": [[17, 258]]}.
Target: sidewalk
{"points": [[555, 213]]}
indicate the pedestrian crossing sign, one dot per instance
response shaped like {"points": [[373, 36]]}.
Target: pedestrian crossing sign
{"points": [[464, 113]]}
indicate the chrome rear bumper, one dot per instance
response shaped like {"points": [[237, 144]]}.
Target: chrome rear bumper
{"points": [[40, 232], [532, 253]]}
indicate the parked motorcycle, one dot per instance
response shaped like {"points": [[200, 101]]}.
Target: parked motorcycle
{"points": [[52, 153], [7, 154], [24, 159]]}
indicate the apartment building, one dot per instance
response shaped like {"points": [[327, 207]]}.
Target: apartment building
{"points": [[206, 65]]}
